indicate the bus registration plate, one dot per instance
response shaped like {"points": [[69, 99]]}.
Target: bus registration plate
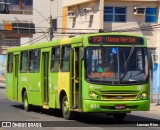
{"points": [[120, 107]]}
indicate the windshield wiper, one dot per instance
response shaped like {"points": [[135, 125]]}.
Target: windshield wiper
{"points": [[130, 54], [128, 59]]}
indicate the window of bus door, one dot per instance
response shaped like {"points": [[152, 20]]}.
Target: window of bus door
{"points": [[55, 59], [10, 63], [24, 61], [116, 65], [65, 59]]}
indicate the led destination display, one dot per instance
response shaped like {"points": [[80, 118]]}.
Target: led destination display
{"points": [[115, 39]]}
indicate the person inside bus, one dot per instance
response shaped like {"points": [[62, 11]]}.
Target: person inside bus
{"points": [[104, 67], [100, 68]]}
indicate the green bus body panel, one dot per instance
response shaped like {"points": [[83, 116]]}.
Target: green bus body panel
{"points": [[90, 105], [109, 106], [30, 47], [31, 81], [9, 86], [53, 90], [58, 81], [78, 39]]}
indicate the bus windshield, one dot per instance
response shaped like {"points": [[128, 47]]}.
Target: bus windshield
{"points": [[116, 65]]}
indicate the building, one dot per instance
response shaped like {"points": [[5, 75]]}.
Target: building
{"points": [[134, 16], [47, 16], [27, 22], [16, 26], [16, 22]]}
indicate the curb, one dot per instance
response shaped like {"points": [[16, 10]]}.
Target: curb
{"points": [[2, 86]]}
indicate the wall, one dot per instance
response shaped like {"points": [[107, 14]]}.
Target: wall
{"points": [[133, 21], [84, 23], [67, 3], [41, 12], [15, 17]]}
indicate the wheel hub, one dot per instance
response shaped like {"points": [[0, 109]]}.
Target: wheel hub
{"points": [[65, 107]]}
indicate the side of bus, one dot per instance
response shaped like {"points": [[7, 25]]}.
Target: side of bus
{"points": [[46, 75]]}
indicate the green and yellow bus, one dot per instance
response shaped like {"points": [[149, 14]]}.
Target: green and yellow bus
{"points": [[103, 72]]}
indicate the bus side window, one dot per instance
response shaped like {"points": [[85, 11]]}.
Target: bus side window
{"points": [[24, 61], [33, 60], [65, 59], [55, 59], [10, 63]]}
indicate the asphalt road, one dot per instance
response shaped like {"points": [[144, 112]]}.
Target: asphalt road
{"points": [[13, 111]]}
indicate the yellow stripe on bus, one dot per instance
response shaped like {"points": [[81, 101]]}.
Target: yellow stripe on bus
{"points": [[65, 41]]}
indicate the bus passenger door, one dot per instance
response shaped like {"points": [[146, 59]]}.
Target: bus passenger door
{"points": [[45, 61], [76, 79], [16, 66]]}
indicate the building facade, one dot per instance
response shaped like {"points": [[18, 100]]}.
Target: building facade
{"points": [[47, 16], [16, 24], [130, 16], [26, 22]]}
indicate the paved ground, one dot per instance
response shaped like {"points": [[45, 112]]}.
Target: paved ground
{"points": [[12, 111], [2, 84], [154, 107]]}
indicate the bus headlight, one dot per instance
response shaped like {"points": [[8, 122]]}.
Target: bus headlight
{"points": [[144, 95], [94, 95]]}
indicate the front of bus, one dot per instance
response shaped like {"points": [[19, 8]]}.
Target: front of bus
{"points": [[116, 74]]}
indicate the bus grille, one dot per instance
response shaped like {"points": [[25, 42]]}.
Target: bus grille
{"points": [[119, 96]]}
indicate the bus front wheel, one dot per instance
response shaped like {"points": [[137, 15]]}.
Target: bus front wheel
{"points": [[25, 102], [119, 116], [67, 114]]}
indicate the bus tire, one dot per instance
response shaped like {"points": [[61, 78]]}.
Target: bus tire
{"points": [[26, 105], [67, 114], [119, 116]]}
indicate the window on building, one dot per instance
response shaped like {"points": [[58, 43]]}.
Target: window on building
{"points": [[15, 2], [4, 9], [151, 15], [115, 14], [34, 60], [24, 2], [65, 59], [54, 24], [10, 63], [55, 59], [24, 61]]}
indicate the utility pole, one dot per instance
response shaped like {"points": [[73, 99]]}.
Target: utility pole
{"points": [[51, 28], [51, 24]]}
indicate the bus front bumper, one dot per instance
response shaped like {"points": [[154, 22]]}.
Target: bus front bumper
{"points": [[115, 106]]}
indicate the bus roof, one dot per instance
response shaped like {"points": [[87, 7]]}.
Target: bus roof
{"points": [[72, 40]]}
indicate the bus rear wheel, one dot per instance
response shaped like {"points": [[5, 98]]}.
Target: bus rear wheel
{"points": [[119, 116], [26, 105], [67, 114]]}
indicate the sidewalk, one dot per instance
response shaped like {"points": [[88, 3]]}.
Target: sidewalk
{"points": [[154, 108], [2, 84]]}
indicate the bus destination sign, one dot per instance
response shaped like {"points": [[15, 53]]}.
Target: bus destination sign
{"points": [[115, 39]]}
